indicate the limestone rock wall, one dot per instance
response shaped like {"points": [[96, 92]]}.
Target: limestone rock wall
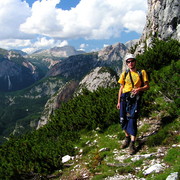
{"points": [[162, 21]]}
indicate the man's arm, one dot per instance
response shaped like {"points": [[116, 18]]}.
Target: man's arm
{"points": [[119, 96]]}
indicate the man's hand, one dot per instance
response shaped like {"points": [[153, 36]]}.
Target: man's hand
{"points": [[118, 106], [135, 91]]}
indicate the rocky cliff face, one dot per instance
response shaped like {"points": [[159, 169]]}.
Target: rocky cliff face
{"points": [[98, 77], [114, 52], [163, 22], [63, 94]]}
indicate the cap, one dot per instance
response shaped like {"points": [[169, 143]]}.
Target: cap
{"points": [[129, 56]]}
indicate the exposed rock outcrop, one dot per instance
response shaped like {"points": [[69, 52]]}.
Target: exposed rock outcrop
{"points": [[163, 22], [99, 77], [114, 52], [131, 43], [62, 95]]}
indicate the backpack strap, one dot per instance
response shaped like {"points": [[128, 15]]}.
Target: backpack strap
{"points": [[132, 82], [125, 74], [140, 75]]}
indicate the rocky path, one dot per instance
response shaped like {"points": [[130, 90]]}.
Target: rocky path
{"points": [[152, 162]]}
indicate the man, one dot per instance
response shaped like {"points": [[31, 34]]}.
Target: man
{"points": [[131, 86]]}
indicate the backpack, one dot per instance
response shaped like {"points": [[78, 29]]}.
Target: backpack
{"points": [[140, 75]]}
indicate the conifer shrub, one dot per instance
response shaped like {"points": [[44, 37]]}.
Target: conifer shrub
{"points": [[164, 91], [168, 81], [163, 67], [159, 55], [89, 111]]}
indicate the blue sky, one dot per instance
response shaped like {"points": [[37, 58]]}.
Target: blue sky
{"points": [[88, 25], [64, 4]]}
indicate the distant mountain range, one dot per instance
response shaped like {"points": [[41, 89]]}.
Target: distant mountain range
{"points": [[19, 70]]}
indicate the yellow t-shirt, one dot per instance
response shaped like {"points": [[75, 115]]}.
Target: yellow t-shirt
{"points": [[136, 79]]}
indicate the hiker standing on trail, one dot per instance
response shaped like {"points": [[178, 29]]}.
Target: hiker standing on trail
{"points": [[132, 84]]}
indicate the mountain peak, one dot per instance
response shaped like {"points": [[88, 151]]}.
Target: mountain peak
{"points": [[61, 52], [113, 52]]}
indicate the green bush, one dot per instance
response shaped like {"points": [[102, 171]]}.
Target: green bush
{"points": [[164, 91], [168, 82], [91, 110], [161, 54], [164, 81]]}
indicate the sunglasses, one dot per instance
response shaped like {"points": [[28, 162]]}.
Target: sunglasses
{"points": [[130, 61]]}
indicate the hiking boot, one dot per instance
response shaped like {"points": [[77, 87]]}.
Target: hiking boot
{"points": [[126, 142], [132, 149]]}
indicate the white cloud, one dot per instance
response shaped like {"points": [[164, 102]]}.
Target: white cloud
{"points": [[45, 43], [63, 43], [105, 45], [29, 50], [29, 46], [95, 19], [43, 18], [133, 21], [12, 14], [83, 46], [90, 19], [13, 43]]}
